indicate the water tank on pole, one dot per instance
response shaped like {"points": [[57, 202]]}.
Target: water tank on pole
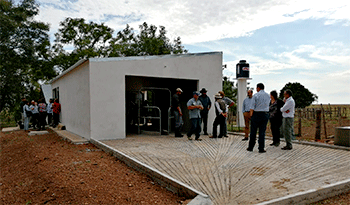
{"points": [[242, 69]]}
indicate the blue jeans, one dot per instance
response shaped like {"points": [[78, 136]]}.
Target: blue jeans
{"points": [[26, 123], [178, 119], [195, 127], [259, 121]]}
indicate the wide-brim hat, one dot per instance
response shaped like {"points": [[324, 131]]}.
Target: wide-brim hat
{"points": [[195, 93], [217, 95], [203, 90]]}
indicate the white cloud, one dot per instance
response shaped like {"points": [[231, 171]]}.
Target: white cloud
{"points": [[195, 20]]}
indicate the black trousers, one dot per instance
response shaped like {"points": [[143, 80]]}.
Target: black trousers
{"points": [[55, 119], [259, 121], [35, 120], [42, 120], [275, 129], [204, 118], [219, 120]]}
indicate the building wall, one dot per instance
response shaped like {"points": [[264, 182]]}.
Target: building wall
{"points": [[75, 100], [107, 85]]}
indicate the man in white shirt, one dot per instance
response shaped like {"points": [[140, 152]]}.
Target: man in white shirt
{"points": [[288, 111]]}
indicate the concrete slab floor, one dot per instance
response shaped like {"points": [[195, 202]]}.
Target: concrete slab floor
{"points": [[10, 129], [223, 169], [43, 132]]}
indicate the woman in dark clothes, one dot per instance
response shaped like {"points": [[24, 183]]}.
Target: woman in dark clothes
{"points": [[275, 117]]}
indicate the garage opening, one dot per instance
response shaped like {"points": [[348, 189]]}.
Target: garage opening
{"points": [[148, 103]]}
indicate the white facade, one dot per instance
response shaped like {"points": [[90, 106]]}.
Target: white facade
{"points": [[92, 92]]}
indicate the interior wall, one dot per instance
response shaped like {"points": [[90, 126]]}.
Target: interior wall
{"points": [[162, 97]]}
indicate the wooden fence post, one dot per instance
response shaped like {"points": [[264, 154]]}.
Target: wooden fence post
{"points": [[330, 110], [318, 125], [299, 127], [339, 116], [324, 122]]}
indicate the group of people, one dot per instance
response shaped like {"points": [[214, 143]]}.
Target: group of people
{"points": [[37, 112], [257, 109], [261, 107], [198, 108]]}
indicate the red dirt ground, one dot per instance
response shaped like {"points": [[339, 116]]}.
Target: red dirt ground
{"points": [[44, 169]]}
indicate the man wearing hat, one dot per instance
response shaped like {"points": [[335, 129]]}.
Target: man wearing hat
{"points": [[194, 106], [221, 114], [229, 103], [206, 102], [175, 106]]}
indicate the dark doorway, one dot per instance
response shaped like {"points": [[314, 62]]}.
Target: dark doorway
{"points": [[151, 92]]}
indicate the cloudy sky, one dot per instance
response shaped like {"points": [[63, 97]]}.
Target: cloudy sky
{"points": [[305, 41]]}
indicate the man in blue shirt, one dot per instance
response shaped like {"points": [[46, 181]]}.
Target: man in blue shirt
{"points": [[206, 102], [194, 107], [259, 111], [246, 112]]}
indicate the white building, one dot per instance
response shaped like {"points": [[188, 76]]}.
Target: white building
{"points": [[98, 95]]}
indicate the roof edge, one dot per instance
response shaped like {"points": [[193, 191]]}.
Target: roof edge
{"points": [[81, 61], [152, 57], [130, 58]]}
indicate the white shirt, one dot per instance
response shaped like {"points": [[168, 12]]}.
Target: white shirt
{"points": [[288, 105], [35, 110]]}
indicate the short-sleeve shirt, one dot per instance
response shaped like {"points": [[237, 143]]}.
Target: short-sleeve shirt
{"points": [[195, 113]]}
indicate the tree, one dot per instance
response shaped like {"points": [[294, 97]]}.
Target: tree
{"points": [[230, 91], [301, 95], [96, 40], [24, 53], [88, 40], [149, 41]]}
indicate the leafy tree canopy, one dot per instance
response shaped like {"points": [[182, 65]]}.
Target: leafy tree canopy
{"points": [[149, 41], [88, 40], [24, 52], [96, 40], [301, 95]]}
